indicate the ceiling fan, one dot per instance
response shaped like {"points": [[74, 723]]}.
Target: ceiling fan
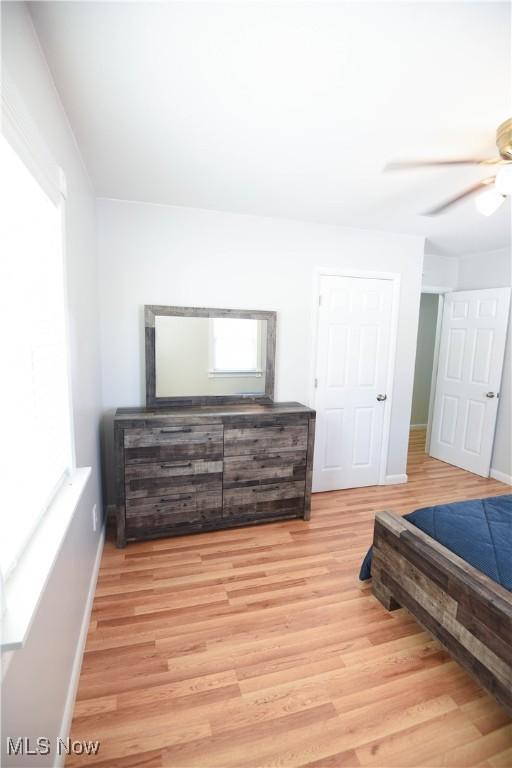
{"points": [[493, 189]]}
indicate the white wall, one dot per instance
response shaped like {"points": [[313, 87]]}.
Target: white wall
{"points": [[493, 270], [37, 679], [424, 358], [440, 271], [153, 254]]}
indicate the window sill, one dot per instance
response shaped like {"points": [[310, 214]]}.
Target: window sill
{"points": [[25, 586], [257, 374]]}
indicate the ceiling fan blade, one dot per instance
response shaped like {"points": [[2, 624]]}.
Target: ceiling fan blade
{"points": [[403, 165], [461, 196]]}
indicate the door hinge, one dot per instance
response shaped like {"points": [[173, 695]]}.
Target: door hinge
{"points": [[320, 300], [316, 383]]}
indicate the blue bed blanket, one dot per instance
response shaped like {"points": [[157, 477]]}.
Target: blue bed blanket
{"points": [[479, 531]]}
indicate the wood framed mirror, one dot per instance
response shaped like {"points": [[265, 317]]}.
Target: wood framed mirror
{"points": [[206, 356]]}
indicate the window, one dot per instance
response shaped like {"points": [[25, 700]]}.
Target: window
{"points": [[235, 347], [36, 423]]}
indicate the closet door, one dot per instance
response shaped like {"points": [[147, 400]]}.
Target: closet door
{"points": [[469, 376], [353, 359]]}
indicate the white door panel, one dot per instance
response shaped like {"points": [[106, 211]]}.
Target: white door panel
{"points": [[353, 352], [469, 375]]}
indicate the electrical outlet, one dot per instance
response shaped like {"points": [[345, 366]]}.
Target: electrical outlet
{"points": [[94, 518]]}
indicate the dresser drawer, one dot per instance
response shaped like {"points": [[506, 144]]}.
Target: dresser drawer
{"points": [[171, 512], [265, 501], [173, 443], [143, 480], [283, 466], [263, 438]]}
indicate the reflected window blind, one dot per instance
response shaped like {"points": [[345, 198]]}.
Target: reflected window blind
{"points": [[37, 453]]}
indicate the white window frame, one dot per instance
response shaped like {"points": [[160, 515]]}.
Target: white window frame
{"points": [[221, 373], [27, 579]]}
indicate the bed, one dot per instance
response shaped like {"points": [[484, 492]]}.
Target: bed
{"points": [[467, 608]]}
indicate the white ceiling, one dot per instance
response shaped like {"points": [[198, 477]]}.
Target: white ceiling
{"points": [[288, 109]]}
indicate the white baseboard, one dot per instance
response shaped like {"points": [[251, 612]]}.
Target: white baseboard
{"points": [[418, 426], [77, 662], [501, 476], [395, 479]]}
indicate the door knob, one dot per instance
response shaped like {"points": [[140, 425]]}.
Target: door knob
{"points": [[380, 398], [490, 394]]}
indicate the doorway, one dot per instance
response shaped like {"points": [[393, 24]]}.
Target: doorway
{"points": [[471, 354], [425, 367], [466, 365]]}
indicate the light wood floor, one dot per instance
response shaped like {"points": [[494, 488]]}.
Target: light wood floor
{"points": [[259, 647]]}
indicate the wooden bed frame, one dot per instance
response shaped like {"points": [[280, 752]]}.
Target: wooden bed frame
{"points": [[468, 613]]}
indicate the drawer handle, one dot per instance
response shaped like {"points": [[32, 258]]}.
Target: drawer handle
{"points": [[175, 498], [175, 466], [267, 457], [175, 431]]}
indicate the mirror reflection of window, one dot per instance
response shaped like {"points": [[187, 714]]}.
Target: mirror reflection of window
{"points": [[235, 346], [208, 357]]}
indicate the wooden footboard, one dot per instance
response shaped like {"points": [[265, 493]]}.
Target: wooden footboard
{"points": [[465, 610]]}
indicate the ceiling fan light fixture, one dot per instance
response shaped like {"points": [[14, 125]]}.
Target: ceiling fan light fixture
{"points": [[489, 201], [504, 180]]}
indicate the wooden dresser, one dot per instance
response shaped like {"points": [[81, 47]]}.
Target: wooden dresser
{"points": [[200, 468]]}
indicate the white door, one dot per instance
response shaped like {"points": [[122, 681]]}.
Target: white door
{"points": [[469, 376], [353, 351]]}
